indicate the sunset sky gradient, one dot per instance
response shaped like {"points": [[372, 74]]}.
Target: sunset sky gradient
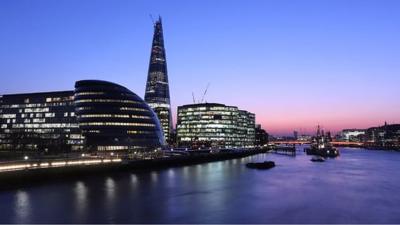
{"points": [[295, 63]]}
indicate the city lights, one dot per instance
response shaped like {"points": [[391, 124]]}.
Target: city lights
{"points": [[5, 167]]}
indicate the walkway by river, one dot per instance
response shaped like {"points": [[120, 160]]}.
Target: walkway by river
{"points": [[358, 187]]}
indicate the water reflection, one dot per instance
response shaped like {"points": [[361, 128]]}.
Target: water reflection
{"points": [[198, 166], [154, 177], [171, 173], [110, 189], [186, 171], [358, 187], [199, 170], [81, 197], [22, 207], [134, 180], [235, 161]]}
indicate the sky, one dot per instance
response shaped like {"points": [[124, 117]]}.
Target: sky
{"points": [[294, 63]]}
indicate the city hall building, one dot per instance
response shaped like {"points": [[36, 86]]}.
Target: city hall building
{"points": [[214, 125], [97, 116], [111, 117]]}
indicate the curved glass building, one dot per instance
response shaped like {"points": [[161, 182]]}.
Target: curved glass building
{"points": [[112, 117]]}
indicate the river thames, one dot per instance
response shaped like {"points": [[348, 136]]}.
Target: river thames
{"points": [[360, 186]]}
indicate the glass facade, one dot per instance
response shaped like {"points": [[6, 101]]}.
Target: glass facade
{"points": [[112, 117], [246, 128], [214, 125], [39, 122], [157, 88]]}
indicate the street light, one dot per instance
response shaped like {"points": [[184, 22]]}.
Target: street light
{"points": [[26, 157]]}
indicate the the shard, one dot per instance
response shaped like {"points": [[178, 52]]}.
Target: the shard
{"points": [[157, 88]]}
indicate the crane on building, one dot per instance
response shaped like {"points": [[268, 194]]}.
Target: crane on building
{"points": [[202, 97], [194, 100], [205, 92]]}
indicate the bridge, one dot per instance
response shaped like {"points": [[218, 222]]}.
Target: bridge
{"points": [[335, 143], [345, 143], [288, 142]]}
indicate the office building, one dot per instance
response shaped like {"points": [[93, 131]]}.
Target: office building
{"points": [[304, 137], [211, 125], [261, 136], [157, 87], [112, 118], [352, 135], [39, 122], [386, 136], [97, 116], [246, 124], [296, 135]]}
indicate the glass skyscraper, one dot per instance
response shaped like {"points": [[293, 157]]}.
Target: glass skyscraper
{"points": [[157, 88]]}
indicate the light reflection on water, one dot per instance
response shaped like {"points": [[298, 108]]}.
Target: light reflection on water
{"points": [[154, 177], [22, 207], [358, 187], [110, 200], [134, 180], [81, 194], [110, 187]]}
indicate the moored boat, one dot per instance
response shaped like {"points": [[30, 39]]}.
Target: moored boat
{"points": [[317, 159], [261, 165], [321, 145]]}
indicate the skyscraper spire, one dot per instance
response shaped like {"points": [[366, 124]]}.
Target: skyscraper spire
{"points": [[157, 88]]}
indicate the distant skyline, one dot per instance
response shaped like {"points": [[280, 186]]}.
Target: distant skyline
{"points": [[294, 63]]}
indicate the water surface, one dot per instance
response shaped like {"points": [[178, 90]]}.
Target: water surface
{"points": [[358, 187]]}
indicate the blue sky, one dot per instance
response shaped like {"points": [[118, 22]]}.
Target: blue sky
{"points": [[295, 63]]}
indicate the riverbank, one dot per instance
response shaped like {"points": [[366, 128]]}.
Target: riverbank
{"points": [[18, 178], [378, 148]]}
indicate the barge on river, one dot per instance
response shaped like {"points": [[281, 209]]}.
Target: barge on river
{"points": [[321, 145]]}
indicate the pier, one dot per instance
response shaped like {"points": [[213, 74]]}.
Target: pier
{"points": [[284, 150]]}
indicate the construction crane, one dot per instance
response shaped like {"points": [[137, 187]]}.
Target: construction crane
{"points": [[205, 92], [194, 100], [202, 97]]}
